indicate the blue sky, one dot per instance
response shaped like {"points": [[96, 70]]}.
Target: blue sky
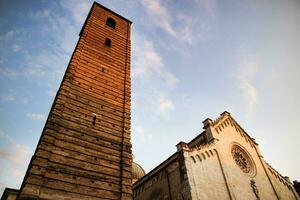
{"points": [[190, 60]]}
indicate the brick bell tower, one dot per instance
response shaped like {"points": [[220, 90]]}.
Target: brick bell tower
{"points": [[84, 151]]}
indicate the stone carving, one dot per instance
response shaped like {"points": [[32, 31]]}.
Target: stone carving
{"points": [[254, 188], [242, 159]]}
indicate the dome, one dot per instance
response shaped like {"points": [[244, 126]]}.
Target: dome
{"points": [[137, 172]]}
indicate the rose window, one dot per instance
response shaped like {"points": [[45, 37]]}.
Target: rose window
{"points": [[242, 159]]}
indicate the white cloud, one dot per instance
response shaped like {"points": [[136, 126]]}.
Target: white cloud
{"points": [[170, 78], [148, 61], [7, 36], [17, 155], [16, 47], [37, 117], [14, 158], [8, 97], [139, 129], [61, 28], [79, 9], [139, 135], [2, 134], [250, 95], [165, 106], [8, 72], [24, 100], [35, 71], [45, 65], [51, 93], [2, 60], [12, 97], [18, 173], [210, 6], [248, 68], [133, 104], [187, 34], [159, 15], [184, 27], [191, 29]]}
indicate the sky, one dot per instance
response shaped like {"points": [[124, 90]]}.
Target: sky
{"points": [[191, 60]]}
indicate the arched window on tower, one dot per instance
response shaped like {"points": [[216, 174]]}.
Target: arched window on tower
{"points": [[111, 22], [107, 42]]}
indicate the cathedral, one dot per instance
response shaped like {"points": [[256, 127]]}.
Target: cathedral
{"points": [[84, 151], [223, 162]]}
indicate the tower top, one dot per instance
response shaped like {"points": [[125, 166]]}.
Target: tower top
{"points": [[107, 9], [98, 4]]}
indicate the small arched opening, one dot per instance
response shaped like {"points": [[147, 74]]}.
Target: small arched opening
{"points": [[111, 22]]}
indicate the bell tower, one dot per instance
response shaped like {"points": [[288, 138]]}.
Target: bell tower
{"points": [[84, 151]]}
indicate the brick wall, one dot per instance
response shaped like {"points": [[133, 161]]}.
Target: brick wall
{"points": [[84, 151]]}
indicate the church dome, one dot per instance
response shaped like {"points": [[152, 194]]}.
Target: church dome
{"points": [[137, 172]]}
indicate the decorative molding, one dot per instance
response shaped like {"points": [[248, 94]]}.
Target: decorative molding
{"points": [[201, 153], [254, 188], [262, 163], [203, 146], [277, 175], [225, 121]]}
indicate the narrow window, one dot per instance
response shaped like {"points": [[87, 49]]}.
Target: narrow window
{"points": [[94, 120], [111, 22], [107, 42]]}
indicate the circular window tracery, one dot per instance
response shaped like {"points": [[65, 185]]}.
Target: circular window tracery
{"points": [[243, 160]]}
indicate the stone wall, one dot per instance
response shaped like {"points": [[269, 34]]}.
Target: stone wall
{"points": [[168, 181], [249, 179], [224, 164], [282, 185], [205, 174]]}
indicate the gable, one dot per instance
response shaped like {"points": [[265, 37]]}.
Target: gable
{"points": [[225, 122]]}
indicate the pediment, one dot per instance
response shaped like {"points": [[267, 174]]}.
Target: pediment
{"points": [[226, 120]]}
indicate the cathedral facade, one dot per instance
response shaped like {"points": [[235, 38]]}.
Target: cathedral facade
{"points": [[223, 162]]}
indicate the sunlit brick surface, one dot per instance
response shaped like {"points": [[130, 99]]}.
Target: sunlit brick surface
{"points": [[85, 151]]}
